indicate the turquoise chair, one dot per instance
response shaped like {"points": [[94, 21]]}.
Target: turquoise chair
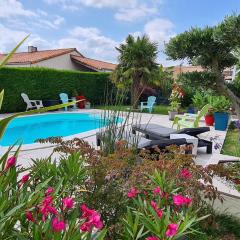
{"points": [[149, 104], [64, 99]]}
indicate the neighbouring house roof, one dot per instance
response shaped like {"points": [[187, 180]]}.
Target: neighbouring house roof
{"points": [[184, 69], [35, 57], [96, 65]]}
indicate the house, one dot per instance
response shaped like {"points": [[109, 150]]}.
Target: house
{"points": [[68, 58], [228, 73]]}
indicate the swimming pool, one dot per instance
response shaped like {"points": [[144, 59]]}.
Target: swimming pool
{"points": [[28, 129]]}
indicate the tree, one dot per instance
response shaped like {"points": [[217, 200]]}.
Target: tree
{"points": [[137, 65], [211, 47]]}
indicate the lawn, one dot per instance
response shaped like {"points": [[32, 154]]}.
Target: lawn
{"points": [[231, 144], [157, 109]]}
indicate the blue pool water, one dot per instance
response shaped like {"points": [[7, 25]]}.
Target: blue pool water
{"points": [[28, 129]]}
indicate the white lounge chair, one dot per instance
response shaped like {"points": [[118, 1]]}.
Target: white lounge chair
{"points": [[31, 104]]}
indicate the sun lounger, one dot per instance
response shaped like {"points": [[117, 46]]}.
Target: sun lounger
{"points": [[145, 143], [155, 132]]}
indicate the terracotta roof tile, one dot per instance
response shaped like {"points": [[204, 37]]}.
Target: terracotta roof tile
{"points": [[34, 57], [94, 64]]}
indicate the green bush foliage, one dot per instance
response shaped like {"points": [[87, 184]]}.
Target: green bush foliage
{"points": [[44, 84], [193, 81], [235, 87]]}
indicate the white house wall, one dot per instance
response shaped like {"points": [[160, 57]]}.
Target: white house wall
{"points": [[60, 62]]}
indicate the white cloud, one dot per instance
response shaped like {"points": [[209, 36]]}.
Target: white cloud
{"points": [[91, 43], [94, 3], [85, 32], [44, 23], [58, 21], [135, 13], [9, 38], [159, 30], [13, 8], [125, 10]]}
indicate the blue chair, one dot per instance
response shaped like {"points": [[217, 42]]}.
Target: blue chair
{"points": [[149, 104], [64, 99]]}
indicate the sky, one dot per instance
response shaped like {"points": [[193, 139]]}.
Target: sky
{"points": [[96, 27]]}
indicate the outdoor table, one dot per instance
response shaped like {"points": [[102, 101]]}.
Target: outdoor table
{"points": [[50, 102]]}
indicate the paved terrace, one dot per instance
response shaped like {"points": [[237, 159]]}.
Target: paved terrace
{"points": [[232, 205]]}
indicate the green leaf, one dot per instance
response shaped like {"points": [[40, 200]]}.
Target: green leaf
{"points": [[1, 98], [5, 60], [101, 235]]}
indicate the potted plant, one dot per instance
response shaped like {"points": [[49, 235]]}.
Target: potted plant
{"points": [[221, 106], [175, 101], [209, 118], [200, 99], [174, 109]]}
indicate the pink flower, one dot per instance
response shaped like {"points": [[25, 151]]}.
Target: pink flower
{"points": [[10, 163], [185, 174], [47, 200], [132, 193], [171, 229], [157, 190], [154, 205], [57, 225], [46, 207], [29, 216], [152, 238], [95, 220], [25, 178], [86, 212], [179, 200], [49, 191], [92, 217], [188, 201], [85, 227], [157, 210], [68, 202]]}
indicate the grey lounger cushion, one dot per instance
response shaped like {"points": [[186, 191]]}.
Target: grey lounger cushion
{"points": [[154, 130]]}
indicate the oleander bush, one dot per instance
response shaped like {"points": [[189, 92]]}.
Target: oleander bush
{"points": [[45, 84], [112, 176], [34, 207]]}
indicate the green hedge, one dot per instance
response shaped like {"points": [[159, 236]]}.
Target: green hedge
{"points": [[44, 83]]}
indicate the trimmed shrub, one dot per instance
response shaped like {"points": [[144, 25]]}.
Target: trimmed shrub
{"points": [[45, 84]]}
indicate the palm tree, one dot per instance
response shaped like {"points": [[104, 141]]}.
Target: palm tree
{"points": [[137, 65]]}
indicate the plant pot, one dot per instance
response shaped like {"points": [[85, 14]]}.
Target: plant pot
{"points": [[221, 120], [172, 115], [81, 104], [209, 120]]}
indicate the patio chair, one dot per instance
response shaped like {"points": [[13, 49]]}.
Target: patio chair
{"points": [[149, 104], [155, 132], [189, 120], [64, 98], [31, 104]]}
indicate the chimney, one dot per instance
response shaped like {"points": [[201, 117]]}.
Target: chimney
{"points": [[32, 49]]}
